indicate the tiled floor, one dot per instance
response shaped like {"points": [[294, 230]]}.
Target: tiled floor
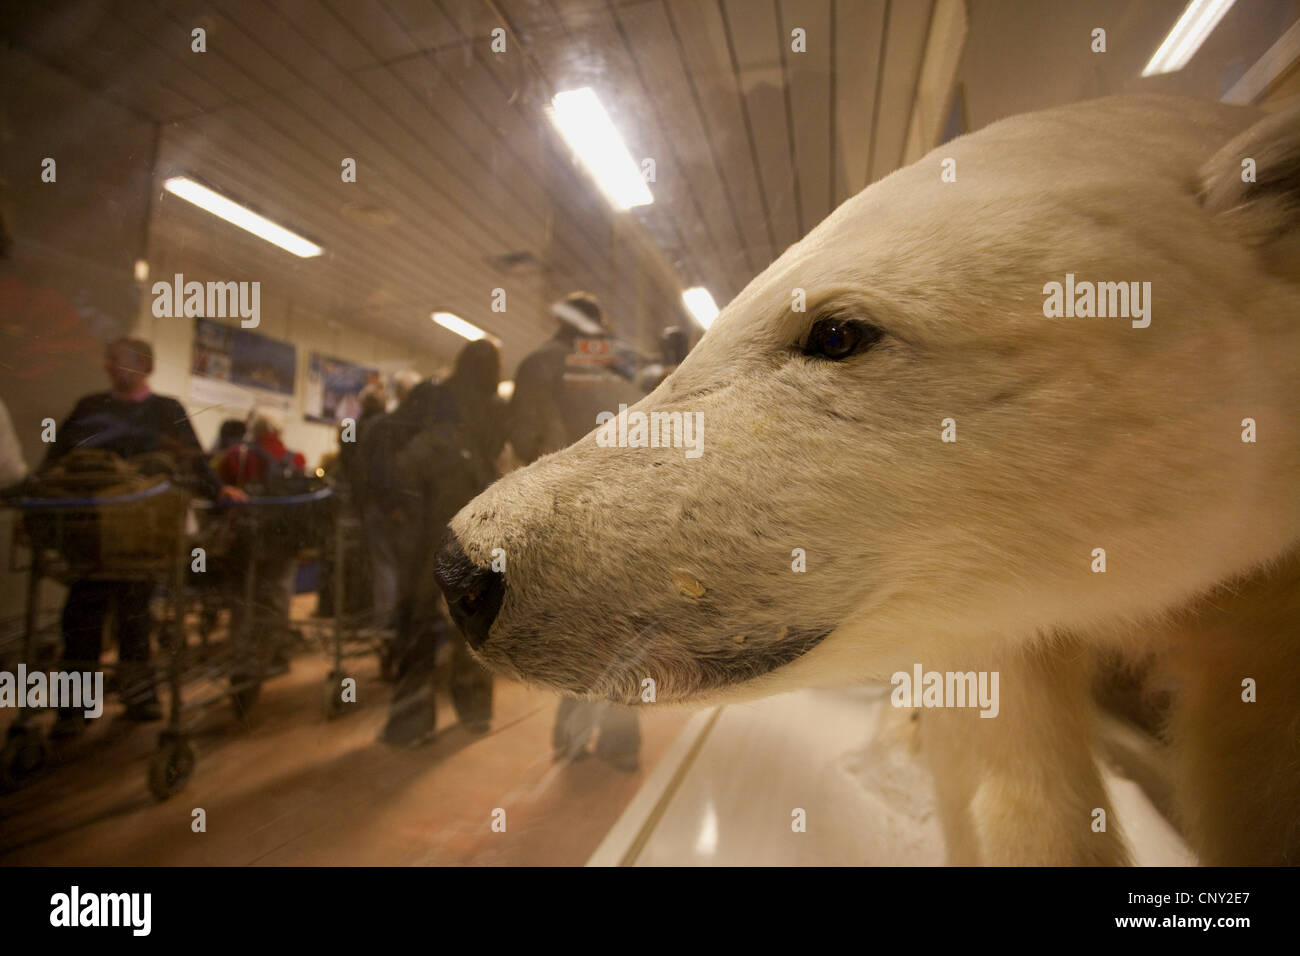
{"points": [[297, 789]]}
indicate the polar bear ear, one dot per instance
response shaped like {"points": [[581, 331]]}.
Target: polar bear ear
{"points": [[1253, 184]]}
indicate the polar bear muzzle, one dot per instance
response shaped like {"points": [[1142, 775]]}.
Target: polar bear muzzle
{"points": [[682, 650], [473, 594]]}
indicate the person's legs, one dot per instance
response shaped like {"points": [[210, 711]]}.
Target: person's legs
{"points": [[84, 613], [412, 715], [134, 625], [243, 585], [384, 569], [271, 616], [575, 722], [471, 686], [620, 737]]}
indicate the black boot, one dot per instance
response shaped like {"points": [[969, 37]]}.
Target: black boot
{"points": [[412, 717]]}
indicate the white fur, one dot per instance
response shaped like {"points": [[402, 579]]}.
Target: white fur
{"points": [[1073, 434]]}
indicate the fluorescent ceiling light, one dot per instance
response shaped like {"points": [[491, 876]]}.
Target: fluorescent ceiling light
{"points": [[238, 215], [1197, 22], [454, 323], [701, 305], [587, 128]]}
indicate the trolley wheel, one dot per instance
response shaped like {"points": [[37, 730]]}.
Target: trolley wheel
{"points": [[170, 766], [23, 756], [332, 698]]}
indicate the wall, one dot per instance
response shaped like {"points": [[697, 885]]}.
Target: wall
{"points": [[66, 283], [287, 315], [66, 286]]}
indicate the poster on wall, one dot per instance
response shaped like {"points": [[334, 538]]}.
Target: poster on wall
{"points": [[241, 369], [333, 387]]}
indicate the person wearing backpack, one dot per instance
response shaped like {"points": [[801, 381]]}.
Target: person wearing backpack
{"points": [[450, 459], [262, 458]]}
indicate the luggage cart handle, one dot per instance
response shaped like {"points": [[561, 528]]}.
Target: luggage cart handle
{"points": [[320, 494], [34, 504]]}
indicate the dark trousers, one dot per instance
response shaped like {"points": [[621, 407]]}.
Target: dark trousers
{"points": [[259, 618], [576, 721], [416, 649], [84, 613], [422, 625]]}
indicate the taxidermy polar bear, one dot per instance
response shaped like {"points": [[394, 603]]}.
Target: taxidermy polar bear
{"points": [[1090, 434]]}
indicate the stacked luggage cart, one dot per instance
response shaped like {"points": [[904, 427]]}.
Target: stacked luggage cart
{"points": [[154, 534], [137, 536]]}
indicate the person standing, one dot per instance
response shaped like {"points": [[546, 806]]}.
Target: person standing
{"points": [[559, 391], [128, 420], [378, 442], [261, 633], [445, 465]]}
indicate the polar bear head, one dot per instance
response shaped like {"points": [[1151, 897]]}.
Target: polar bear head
{"points": [[919, 440]]}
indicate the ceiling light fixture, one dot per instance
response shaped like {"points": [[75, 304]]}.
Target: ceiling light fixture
{"points": [[1197, 22], [454, 323], [587, 128], [241, 216], [701, 305]]}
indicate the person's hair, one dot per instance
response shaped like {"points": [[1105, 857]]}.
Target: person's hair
{"points": [[478, 366], [675, 344], [140, 351], [231, 433], [403, 382], [260, 423], [372, 399]]}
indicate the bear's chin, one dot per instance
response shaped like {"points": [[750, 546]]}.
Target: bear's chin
{"points": [[687, 680]]}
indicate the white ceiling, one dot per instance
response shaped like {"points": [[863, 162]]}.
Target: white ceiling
{"points": [[753, 144]]}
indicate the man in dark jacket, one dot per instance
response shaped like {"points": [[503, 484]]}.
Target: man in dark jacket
{"points": [[450, 459], [559, 391], [127, 420]]}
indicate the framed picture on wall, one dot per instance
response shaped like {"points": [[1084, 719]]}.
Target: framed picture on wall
{"points": [[333, 389]]}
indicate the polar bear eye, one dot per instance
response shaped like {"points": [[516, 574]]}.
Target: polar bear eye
{"points": [[837, 338]]}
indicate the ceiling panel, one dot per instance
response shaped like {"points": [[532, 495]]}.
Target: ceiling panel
{"points": [[808, 82], [463, 186], [707, 65], [906, 26], [859, 32], [756, 43]]}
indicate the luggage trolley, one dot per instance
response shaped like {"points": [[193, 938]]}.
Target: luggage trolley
{"points": [[347, 633], [263, 520], [137, 536]]}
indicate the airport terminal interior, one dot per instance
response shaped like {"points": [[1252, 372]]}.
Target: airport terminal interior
{"points": [[285, 285]]}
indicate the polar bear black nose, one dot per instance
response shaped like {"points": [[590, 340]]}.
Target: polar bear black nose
{"points": [[473, 594]]}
